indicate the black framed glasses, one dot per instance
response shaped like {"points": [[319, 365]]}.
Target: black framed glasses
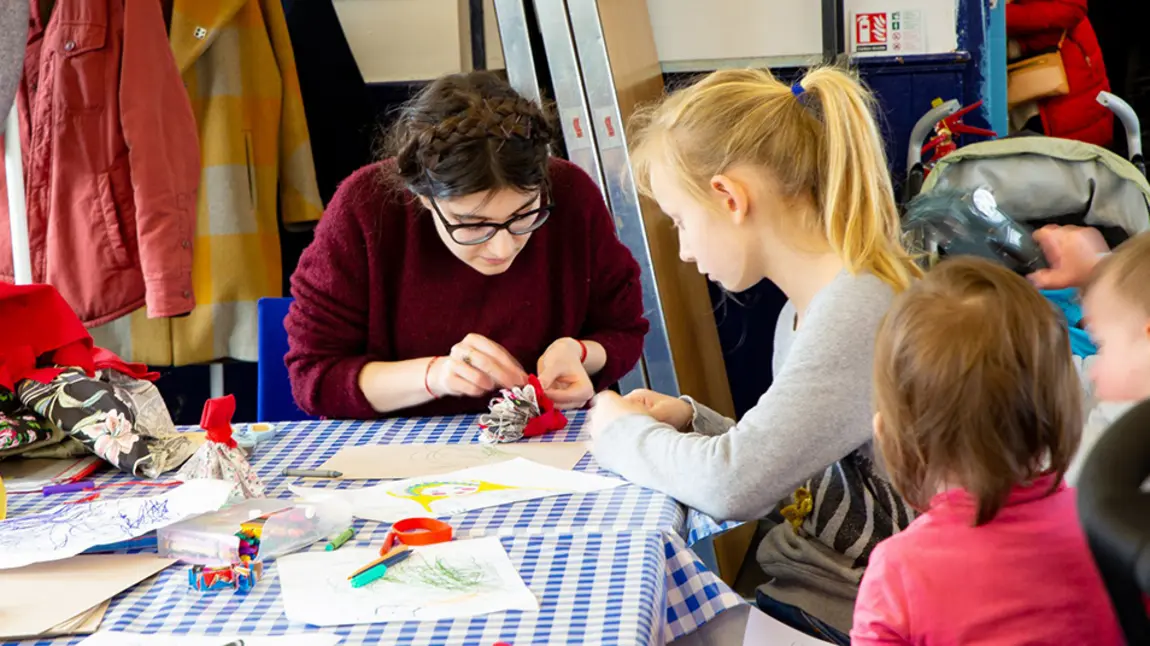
{"points": [[519, 224]]}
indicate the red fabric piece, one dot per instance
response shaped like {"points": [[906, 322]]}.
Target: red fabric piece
{"points": [[38, 327], [107, 360], [217, 420], [378, 284], [550, 419], [1038, 25], [36, 323]]}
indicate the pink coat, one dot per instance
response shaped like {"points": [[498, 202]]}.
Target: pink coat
{"points": [[111, 161]]}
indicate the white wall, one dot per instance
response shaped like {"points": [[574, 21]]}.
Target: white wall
{"points": [[687, 30], [413, 40], [405, 40]]}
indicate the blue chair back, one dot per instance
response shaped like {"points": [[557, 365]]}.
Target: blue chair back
{"points": [[274, 401]]}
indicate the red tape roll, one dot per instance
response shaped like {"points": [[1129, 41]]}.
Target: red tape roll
{"points": [[416, 531]]}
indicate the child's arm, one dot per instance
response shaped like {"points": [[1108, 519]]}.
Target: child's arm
{"points": [[817, 411], [881, 615]]}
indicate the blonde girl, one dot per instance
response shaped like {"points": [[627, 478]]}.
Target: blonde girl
{"points": [[765, 180]]}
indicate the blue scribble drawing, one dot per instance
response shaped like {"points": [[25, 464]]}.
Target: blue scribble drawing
{"points": [[67, 530]]}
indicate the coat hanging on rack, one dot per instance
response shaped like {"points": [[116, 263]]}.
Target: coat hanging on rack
{"points": [[111, 162], [237, 63]]}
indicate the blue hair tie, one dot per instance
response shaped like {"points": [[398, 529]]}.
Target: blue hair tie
{"points": [[797, 89]]}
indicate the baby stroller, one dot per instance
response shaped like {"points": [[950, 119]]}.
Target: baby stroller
{"points": [[1036, 181], [986, 199]]}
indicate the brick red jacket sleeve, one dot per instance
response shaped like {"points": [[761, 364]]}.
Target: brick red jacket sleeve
{"points": [[615, 312], [163, 150], [164, 156], [1045, 15], [327, 323]]}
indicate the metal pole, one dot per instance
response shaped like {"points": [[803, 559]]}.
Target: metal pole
{"points": [[478, 35], [833, 33], [17, 207]]}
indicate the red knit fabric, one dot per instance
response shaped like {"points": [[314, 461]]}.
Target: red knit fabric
{"points": [[378, 284], [1038, 25]]}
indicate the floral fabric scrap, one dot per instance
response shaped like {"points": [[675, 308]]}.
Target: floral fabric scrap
{"points": [[103, 417]]}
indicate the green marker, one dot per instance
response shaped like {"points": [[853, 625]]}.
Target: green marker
{"points": [[337, 541], [374, 574]]}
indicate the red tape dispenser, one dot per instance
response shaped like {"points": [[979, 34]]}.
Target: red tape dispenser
{"points": [[416, 531]]}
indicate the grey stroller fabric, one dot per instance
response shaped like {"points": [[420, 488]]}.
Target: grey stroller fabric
{"points": [[13, 40], [1041, 178]]}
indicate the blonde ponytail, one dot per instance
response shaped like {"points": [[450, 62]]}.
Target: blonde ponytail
{"points": [[818, 138]]}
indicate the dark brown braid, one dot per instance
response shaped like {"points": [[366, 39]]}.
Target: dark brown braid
{"points": [[467, 133]]}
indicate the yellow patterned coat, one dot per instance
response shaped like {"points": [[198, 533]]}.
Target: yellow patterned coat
{"points": [[236, 60]]}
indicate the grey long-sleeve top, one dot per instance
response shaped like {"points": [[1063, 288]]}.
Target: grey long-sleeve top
{"points": [[817, 412]]}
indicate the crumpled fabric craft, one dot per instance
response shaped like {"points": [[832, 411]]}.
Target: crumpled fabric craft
{"points": [[220, 458], [520, 412]]}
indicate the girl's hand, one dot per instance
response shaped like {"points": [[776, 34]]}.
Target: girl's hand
{"points": [[1072, 252], [563, 376], [666, 409], [607, 408], [477, 366]]}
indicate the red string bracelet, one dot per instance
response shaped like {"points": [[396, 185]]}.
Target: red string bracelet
{"points": [[427, 378], [583, 348]]}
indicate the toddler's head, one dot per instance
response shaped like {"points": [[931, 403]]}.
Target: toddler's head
{"points": [[1116, 304], [975, 386]]}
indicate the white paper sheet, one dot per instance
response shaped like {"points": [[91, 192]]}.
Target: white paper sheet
{"points": [[68, 530], [763, 630], [447, 580], [461, 491], [133, 639]]}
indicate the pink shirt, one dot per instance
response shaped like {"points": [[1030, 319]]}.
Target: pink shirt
{"points": [[1026, 577]]}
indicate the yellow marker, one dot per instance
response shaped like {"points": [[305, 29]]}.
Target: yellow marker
{"points": [[3, 500]]}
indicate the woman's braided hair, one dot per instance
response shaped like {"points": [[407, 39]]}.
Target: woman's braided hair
{"points": [[468, 133]]}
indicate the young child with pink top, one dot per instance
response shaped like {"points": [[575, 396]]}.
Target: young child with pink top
{"points": [[979, 414]]}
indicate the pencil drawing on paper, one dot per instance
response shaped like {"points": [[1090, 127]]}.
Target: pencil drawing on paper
{"points": [[67, 530], [56, 527], [456, 579]]}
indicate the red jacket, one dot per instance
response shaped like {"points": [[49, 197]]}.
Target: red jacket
{"points": [[111, 161], [1038, 25]]}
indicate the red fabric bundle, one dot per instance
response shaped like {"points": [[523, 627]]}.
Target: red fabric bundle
{"points": [[38, 327], [549, 419]]}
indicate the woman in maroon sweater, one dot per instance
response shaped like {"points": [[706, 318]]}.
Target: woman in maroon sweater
{"points": [[447, 272]]}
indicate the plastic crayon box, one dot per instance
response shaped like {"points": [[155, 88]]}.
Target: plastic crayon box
{"points": [[221, 538]]}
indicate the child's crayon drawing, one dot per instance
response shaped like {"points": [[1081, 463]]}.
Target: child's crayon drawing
{"points": [[446, 580]]}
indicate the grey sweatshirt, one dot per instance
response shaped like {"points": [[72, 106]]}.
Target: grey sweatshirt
{"points": [[811, 429]]}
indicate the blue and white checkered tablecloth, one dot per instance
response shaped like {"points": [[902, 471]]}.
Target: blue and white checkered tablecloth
{"points": [[607, 567]]}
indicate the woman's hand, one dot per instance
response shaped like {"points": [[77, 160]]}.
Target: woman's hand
{"points": [[608, 408], [477, 366], [564, 378], [666, 409], [1072, 252]]}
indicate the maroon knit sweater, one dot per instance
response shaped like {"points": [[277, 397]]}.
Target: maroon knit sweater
{"points": [[378, 284]]}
